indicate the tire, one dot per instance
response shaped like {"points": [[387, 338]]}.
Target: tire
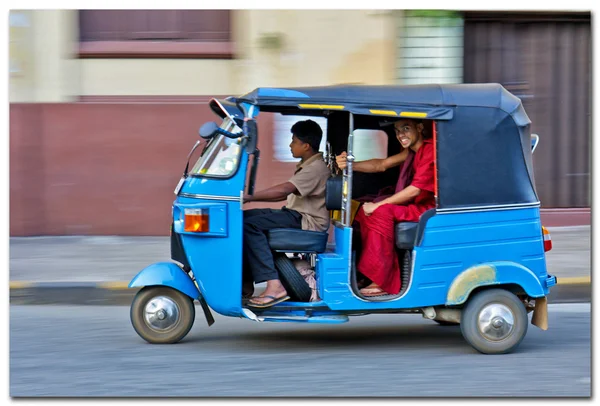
{"points": [[166, 298], [291, 279], [494, 305], [446, 323]]}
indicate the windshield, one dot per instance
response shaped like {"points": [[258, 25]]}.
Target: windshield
{"points": [[222, 155]]}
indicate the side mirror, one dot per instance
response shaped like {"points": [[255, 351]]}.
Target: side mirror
{"points": [[251, 131], [535, 140], [208, 130]]}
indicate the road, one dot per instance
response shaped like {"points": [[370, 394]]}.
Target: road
{"points": [[93, 351]]}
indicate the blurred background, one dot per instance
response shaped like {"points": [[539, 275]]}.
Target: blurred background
{"points": [[105, 104]]}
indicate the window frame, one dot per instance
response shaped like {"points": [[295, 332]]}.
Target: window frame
{"points": [[149, 45]]}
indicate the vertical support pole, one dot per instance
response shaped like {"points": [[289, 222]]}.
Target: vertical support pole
{"points": [[347, 187], [435, 167]]}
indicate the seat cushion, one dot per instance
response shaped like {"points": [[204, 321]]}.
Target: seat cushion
{"points": [[406, 232], [296, 240]]}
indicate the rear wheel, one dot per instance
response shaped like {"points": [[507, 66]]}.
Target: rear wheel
{"points": [[291, 279], [494, 321], [162, 315]]}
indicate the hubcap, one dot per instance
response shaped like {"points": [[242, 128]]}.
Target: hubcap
{"points": [[161, 313], [496, 322]]}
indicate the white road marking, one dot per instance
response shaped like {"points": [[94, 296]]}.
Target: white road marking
{"points": [[569, 307]]}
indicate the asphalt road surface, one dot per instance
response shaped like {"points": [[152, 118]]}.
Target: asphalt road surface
{"points": [[94, 351]]}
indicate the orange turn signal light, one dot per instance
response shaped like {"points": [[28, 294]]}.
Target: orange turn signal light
{"points": [[196, 220]]}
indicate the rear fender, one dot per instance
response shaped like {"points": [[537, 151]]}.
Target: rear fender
{"points": [[490, 274], [166, 274]]}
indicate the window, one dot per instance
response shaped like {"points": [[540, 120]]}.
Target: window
{"points": [[282, 137], [370, 144], [155, 33], [221, 157]]}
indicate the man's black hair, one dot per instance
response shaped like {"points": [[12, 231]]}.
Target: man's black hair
{"points": [[309, 132]]}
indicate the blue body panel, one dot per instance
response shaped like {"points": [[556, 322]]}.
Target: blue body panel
{"points": [[216, 257], [166, 274], [214, 186], [509, 242]]}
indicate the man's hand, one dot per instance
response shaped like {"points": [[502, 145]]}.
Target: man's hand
{"points": [[340, 160], [369, 208], [246, 198]]}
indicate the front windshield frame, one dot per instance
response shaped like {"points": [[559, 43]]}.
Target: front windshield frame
{"points": [[210, 161]]}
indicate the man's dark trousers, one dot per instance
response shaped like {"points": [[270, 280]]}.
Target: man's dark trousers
{"points": [[258, 257]]}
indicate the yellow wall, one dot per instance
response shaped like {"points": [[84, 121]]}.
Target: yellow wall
{"points": [[320, 47], [156, 77], [20, 55]]}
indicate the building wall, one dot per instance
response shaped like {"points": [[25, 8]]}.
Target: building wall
{"points": [[145, 77], [110, 166], [107, 169], [319, 47], [430, 48], [546, 60]]}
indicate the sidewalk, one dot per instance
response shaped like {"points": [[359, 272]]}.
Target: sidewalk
{"points": [[110, 262]]}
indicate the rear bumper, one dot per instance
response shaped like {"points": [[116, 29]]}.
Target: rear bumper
{"points": [[551, 281]]}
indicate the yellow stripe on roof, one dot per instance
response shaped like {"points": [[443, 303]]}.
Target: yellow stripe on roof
{"points": [[384, 112], [321, 106], [413, 114]]}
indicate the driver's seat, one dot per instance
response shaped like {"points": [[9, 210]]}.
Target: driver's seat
{"points": [[297, 240], [303, 241]]}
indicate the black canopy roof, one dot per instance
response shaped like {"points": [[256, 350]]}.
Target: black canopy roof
{"points": [[484, 137], [434, 99]]}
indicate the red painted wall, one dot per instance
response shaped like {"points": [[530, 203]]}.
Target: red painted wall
{"points": [[107, 168]]}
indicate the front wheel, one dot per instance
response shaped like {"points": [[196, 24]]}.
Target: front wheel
{"points": [[494, 321], [162, 315]]}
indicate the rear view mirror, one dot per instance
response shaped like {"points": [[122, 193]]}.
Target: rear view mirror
{"points": [[535, 140], [251, 131], [208, 130]]}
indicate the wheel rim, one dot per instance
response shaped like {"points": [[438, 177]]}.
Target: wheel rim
{"points": [[161, 313], [496, 322]]}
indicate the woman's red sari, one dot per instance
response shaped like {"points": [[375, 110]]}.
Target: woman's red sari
{"points": [[378, 260]]}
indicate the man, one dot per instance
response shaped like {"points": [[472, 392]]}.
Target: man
{"points": [[413, 196], [305, 209]]}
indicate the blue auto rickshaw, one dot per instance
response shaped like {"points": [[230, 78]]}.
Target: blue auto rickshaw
{"points": [[476, 260]]}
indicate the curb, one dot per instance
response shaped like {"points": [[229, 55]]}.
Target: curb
{"points": [[567, 290]]}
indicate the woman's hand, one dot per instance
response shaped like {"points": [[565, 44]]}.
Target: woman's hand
{"points": [[340, 160], [369, 208]]}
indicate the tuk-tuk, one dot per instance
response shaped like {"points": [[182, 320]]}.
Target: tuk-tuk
{"points": [[476, 260]]}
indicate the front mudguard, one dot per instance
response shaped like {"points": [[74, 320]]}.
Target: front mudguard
{"points": [[166, 274], [171, 275]]}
